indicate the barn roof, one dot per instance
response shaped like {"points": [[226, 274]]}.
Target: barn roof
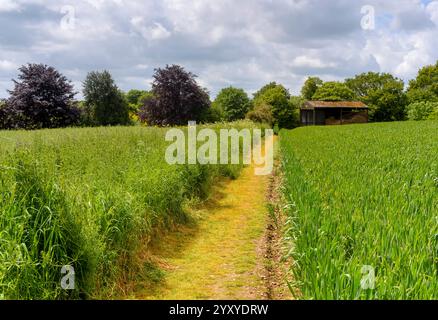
{"points": [[310, 105]]}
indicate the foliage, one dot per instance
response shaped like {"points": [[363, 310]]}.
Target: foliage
{"points": [[177, 98], [272, 85], [41, 98], [3, 115], [136, 99], [133, 96], [278, 98], [104, 100], [261, 114], [295, 104], [350, 208], [421, 110], [383, 93], [212, 115], [434, 115], [233, 102], [333, 91], [90, 198], [310, 87], [425, 86]]}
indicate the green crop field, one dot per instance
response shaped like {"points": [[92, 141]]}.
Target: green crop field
{"points": [[89, 198], [364, 195]]}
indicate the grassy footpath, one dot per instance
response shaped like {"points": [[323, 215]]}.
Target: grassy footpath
{"points": [[364, 195], [218, 256]]}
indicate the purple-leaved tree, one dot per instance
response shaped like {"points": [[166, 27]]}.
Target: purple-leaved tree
{"points": [[41, 98], [176, 98]]}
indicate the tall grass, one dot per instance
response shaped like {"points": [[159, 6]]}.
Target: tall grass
{"points": [[90, 198], [363, 195]]}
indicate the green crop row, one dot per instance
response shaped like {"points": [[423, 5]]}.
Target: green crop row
{"points": [[363, 202]]}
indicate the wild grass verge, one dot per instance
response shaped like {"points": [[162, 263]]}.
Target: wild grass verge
{"points": [[89, 198]]}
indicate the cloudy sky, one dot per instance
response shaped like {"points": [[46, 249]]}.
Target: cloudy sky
{"points": [[244, 43]]}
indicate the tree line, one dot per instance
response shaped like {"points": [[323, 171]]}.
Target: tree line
{"points": [[385, 94], [44, 98]]}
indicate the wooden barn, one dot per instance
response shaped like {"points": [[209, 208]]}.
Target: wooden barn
{"points": [[322, 113]]}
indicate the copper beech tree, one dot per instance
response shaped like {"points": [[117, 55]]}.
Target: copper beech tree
{"points": [[176, 98], [42, 98]]}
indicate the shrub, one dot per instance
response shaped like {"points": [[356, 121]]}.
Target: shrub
{"points": [[213, 115], [104, 100], [177, 98], [421, 110], [261, 114], [41, 98], [434, 115]]}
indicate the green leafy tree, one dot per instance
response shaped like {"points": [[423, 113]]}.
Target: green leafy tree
{"points": [[383, 93], [277, 97], [310, 87], [425, 86], [333, 91], [269, 86], [423, 110], [103, 99], [233, 102]]}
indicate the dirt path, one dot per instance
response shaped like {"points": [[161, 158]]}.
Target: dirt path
{"points": [[230, 252]]}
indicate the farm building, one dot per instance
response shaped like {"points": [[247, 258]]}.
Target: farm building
{"points": [[322, 113]]}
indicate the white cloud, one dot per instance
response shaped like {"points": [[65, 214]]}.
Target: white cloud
{"points": [[155, 31], [6, 65], [142, 66], [8, 5], [432, 9], [306, 61]]}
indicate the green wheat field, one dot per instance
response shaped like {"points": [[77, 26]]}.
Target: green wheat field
{"points": [[358, 196]]}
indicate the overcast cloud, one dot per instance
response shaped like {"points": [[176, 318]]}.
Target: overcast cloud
{"points": [[244, 43]]}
